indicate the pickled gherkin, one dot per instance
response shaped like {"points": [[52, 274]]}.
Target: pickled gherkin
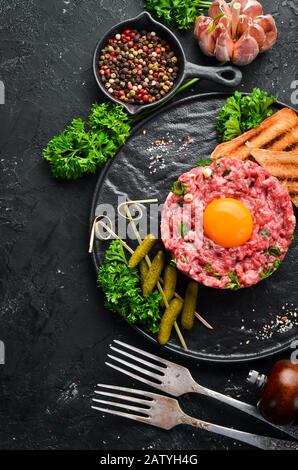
{"points": [[143, 266], [141, 251], [189, 307], [169, 282], [168, 319], [153, 273]]}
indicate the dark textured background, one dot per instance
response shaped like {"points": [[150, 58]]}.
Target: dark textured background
{"points": [[51, 319]]}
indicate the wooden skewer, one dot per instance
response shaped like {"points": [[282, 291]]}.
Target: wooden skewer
{"points": [[111, 231], [137, 203]]}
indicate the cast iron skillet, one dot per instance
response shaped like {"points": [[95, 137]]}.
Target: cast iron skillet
{"points": [[227, 75]]}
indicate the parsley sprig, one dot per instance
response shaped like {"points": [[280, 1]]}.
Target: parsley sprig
{"points": [[270, 270], [121, 287], [273, 250], [182, 229], [179, 14], [209, 269], [264, 233], [234, 284], [178, 188], [226, 172], [204, 162], [83, 146], [242, 113]]}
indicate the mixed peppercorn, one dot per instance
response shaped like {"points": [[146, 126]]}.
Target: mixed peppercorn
{"points": [[138, 67]]}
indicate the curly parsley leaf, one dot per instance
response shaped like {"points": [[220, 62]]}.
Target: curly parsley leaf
{"points": [[121, 286], [204, 162], [255, 108], [209, 269], [242, 113], [110, 119], [182, 229], [270, 270], [273, 251], [226, 172], [183, 259], [82, 147], [179, 14], [234, 284], [179, 188]]}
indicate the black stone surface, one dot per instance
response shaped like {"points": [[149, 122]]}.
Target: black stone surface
{"points": [[52, 321]]}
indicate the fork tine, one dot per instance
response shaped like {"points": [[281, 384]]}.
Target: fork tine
{"points": [[135, 376], [138, 359], [139, 369], [143, 419], [124, 397], [123, 405], [144, 353], [133, 391]]}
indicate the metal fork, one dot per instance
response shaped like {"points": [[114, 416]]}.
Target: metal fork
{"points": [[176, 380], [165, 413]]}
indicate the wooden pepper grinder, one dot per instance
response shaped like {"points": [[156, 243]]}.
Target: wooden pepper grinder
{"points": [[278, 392]]}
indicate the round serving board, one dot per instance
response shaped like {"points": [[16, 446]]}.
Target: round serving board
{"points": [[248, 324]]}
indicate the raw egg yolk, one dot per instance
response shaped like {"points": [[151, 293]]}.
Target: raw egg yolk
{"points": [[227, 222]]}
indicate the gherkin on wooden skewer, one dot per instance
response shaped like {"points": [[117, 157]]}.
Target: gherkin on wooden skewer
{"points": [[153, 273], [189, 306], [142, 250], [168, 319], [170, 280]]}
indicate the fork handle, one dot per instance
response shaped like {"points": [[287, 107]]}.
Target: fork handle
{"points": [[261, 442], [242, 406]]}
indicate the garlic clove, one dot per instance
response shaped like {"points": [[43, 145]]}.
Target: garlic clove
{"points": [[226, 22], [246, 50], [220, 6], [257, 32], [242, 25], [224, 47], [202, 23], [267, 22], [252, 8], [206, 40]]}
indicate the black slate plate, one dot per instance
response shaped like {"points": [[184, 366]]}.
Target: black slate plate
{"points": [[239, 318]]}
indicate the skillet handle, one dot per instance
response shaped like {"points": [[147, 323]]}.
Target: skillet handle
{"points": [[226, 75]]}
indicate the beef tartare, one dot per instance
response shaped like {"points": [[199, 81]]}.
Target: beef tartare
{"points": [[228, 225]]}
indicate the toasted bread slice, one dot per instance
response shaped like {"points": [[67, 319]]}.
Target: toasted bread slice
{"points": [[293, 190], [279, 131], [283, 165], [289, 142]]}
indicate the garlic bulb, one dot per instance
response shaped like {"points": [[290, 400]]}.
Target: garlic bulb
{"points": [[236, 32]]}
